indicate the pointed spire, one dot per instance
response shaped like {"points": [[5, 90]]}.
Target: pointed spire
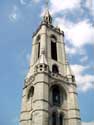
{"points": [[47, 17]]}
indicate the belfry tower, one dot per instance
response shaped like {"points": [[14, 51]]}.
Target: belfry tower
{"points": [[49, 93]]}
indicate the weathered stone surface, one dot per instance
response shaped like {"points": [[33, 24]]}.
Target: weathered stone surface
{"points": [[38, 108]]}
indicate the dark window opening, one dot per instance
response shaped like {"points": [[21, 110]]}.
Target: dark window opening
{"points": [[38, 50], [73, 78], [56, 95], [54, 118], [31, 118], [31, 92], [55, 69], [54, 37], [53, 50], [38, 37], [61, 119]]}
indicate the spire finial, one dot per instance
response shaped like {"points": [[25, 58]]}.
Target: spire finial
{"points": [[47, 4], [47, 17]]}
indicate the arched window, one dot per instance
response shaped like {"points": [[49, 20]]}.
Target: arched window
{"points": [[56, 95], [53, 48], [61, 119], [54, 118], [55, 69], [31, 92], [53, 37]]}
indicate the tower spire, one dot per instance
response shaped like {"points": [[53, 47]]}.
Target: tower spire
{"points": [[47, 17]]}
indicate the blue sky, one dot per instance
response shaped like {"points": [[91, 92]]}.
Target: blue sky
{"points": [[18, 20]]}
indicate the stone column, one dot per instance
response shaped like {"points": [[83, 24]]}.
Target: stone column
{"points": [[43, 41], [40, 102], [63, 58], [73, 109], [34, 54]]}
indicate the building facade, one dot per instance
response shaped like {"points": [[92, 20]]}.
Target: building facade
{"points": [[49, 93]]}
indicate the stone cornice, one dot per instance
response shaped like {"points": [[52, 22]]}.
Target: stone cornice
{"points": [[57, 77], [78, 118], [51, 27]]}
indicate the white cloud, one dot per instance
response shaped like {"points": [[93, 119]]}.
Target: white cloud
{"points": [[87, 123], [90, 5], [62, 5], [78, 69], [13, 17], [23, 2], [29, 2], [79, 34], [36, 1], [84, 59], [84, 81], [14, 14], [57, 6], [71, 50], [74, 50]]}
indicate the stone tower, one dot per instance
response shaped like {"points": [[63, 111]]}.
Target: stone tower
{"points": [[49, 93]]}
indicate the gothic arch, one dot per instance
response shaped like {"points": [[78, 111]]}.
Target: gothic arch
{"points": [[57, 118], [57, 95], [55, 68], [52, 36]]}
